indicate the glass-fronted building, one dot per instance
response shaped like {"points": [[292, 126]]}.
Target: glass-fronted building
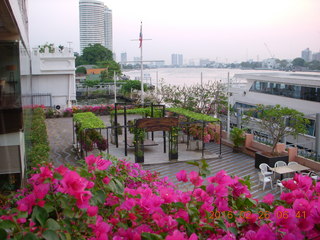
{"points": [[14, 62]]}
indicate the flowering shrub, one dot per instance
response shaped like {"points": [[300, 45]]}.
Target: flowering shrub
{"points": [[98, 110], [115, 199], [210, 132]]}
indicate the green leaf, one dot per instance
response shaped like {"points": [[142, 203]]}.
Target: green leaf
{"points": [[50, 235], [221, 224], [100, 196], [57, 176], [233, 230], [194, 163], [178, 205], [48, 207], [30, 236], [40, 214], [52, 224], [62, 236], [68, 213], [7, 224], [116, 186], [151, 236], [22, 215], [3, 234]]}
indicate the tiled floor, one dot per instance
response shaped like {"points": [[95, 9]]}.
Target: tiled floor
{"points": [[62, 152]]}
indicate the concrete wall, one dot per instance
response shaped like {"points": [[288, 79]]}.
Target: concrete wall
{"points": [[54, 73]]}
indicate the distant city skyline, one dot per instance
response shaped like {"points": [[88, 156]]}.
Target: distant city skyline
{"points": [[224, 31]]}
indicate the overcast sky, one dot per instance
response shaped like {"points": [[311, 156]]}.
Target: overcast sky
{"points": [[223, 30]]}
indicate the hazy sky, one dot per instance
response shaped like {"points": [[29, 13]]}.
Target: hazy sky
{"points": [[223, 30]]}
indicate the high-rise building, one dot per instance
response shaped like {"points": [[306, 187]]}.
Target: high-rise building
{"points": [[108, 28], [124, 58], [306, 55], [176, 60], [316, 56], [95, 24]]}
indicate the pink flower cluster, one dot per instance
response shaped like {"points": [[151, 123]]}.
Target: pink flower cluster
{"points": [[115, 199]]}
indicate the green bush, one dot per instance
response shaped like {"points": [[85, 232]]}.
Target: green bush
{"points": [[37, 137], [237, 136]]}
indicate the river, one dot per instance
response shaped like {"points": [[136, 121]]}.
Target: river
{"points": [[188, 76]]}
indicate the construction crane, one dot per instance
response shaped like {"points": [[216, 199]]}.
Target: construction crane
{"points": [[271, 55]]}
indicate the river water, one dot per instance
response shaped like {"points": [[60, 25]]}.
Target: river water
{"points": [[188, 76]]}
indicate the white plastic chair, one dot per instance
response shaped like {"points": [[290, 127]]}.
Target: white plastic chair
{"points": [[280, 164], [265, 179], [264, 169], [314, 176], [292, 163]]}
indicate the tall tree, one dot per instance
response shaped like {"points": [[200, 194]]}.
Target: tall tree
{"points": [[93, 54], [300, 62], [113, 68]]}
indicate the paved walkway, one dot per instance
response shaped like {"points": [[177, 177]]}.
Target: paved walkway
{"points": [[62, 152]]}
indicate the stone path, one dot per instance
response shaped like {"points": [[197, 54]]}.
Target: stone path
{"points": [[62, 152]]}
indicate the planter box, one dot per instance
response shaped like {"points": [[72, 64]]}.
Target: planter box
{"points": [[260, 157], [139, 159], [173, 156]]}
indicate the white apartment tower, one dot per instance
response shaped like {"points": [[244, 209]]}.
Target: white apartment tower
{"points": [[95, 24], [108, 28]]}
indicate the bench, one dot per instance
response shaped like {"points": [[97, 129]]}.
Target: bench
{"points": [[146, 143]]}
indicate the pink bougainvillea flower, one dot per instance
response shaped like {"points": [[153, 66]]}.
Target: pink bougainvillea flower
{"points": [[101, 228], [210, 189], [91, 159], [26, 204], [92, 211], [61, 170], [176, 235], [182, 176], [128, 204], [304, 182], [265, 233], [83, 199], [41, 190], [315, 212], [21, 220], [90, 184], [238, 189], [221, 178], [290, 184], [268, 199], [106, 180], [72, 183], [285, 217], [195, 179], [207, 138], [103, 164], [167, 194], [221, 191]]}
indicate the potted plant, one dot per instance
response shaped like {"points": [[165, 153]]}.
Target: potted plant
{"points": [[278, 122], [173, 143], [238, 139], [138, 142]]}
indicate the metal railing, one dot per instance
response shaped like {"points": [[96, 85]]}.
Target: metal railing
{"points": [[37, 99]]}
